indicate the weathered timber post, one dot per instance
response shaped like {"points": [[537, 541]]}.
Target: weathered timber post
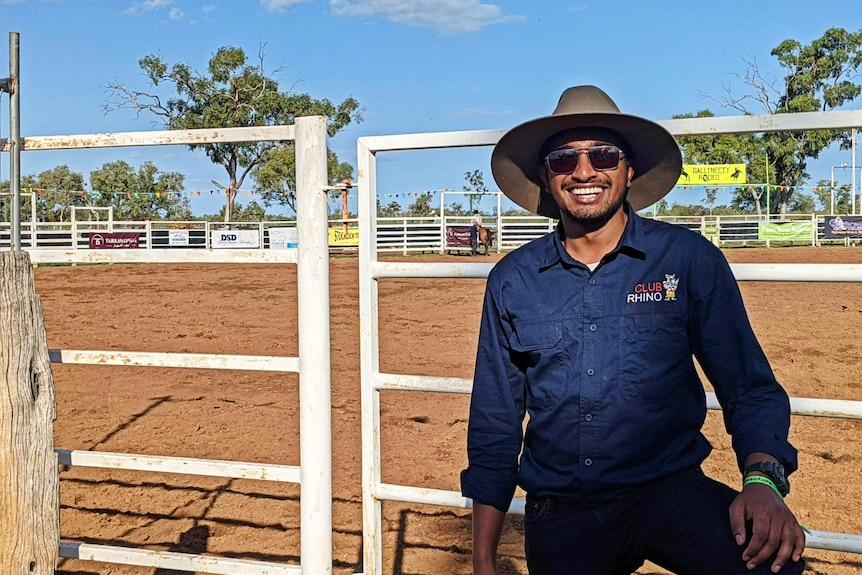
{"points": [[29, 496]]}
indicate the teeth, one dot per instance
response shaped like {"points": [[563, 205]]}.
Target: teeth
{"points": [[586, 191]]}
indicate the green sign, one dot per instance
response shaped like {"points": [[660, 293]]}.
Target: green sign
{"points": [[785, 231]]}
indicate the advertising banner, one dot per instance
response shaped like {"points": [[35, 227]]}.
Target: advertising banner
{"points": [[709, 174], [282, 238], [785, 230], [457, 236], [235, 239], [178, 237], [113, 240], [842, 227], [339, 238]]}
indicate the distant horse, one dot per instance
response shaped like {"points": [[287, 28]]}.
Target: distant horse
{"points": [[484, 237]]}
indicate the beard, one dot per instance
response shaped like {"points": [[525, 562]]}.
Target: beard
{"points": [[595, 216]]}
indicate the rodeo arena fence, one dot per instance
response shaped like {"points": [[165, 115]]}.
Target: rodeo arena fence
{"points": [[312, 364], [95, 229]]}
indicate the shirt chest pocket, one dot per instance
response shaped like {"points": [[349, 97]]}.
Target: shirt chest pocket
{"points": [[539, 350], [655, 356]]}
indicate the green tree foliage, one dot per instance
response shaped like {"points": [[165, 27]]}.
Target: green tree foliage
{"points": [[253, 212], [819, 78], [276, 174], [390, 210], [457, 209], [145, 194], [824, 194], [475, 184], [233, 93], [57, 190], [422, 207], [729, 149]]}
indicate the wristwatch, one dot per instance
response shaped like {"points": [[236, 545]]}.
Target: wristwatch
{"points": [[774, 471]]}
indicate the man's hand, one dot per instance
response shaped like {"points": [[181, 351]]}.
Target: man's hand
{"points": [[773, 527]]}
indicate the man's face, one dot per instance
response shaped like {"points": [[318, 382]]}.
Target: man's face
{"points": [[588, 194]]}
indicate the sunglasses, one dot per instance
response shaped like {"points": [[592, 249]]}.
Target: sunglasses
{"points": [[565, 161]]}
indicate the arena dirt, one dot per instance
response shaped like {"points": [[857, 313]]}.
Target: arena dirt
{"points": [[812, 333]]}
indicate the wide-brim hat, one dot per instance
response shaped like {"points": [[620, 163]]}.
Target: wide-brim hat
{"points": [[653, 151]]}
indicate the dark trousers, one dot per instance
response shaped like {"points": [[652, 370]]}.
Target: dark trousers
{"points": [[680, 523], [474, 234]]}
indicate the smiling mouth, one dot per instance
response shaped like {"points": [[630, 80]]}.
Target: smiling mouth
{"points": [[586, 191]]}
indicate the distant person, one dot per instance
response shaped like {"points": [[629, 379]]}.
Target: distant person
{"points": [[475, 224], [591, 330]]}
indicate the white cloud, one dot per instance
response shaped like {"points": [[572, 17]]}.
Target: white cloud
{"points": [[176, 14], [207, 9], [447, 16], [279, 5], [139, 8]]}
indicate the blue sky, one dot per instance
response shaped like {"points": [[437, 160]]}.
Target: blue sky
{"points": [[413, 65]]}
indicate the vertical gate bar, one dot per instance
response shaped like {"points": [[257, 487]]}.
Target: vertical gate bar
{"points": [[315, 429], [372, 509]]}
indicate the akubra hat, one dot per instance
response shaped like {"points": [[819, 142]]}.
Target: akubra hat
{"points": [[651, 148]]}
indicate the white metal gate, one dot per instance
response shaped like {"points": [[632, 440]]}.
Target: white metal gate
{"points": [[374, 491], [312, 363]]}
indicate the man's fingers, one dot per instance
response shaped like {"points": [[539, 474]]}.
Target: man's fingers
{"points": [[765, 538], [737, 523], [799, 547]]}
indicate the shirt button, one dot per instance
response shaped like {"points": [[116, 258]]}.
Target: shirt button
{"points": [[588, 417], [592, 282], [591, 371], [593, 327], [588, 462]]}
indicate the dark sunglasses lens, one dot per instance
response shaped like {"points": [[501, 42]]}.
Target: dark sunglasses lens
{"points": [[601, 157], [605, 157], [563, 161]]}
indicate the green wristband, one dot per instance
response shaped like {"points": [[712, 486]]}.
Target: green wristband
{"points": [[764, 480]]}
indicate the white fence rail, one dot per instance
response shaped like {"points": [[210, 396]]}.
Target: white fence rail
{"points": [[374, 490], [392, 234]]}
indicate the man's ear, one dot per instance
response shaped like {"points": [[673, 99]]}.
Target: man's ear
{"points": [[543, 176], [630, 173]]}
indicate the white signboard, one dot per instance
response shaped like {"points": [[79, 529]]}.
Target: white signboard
{"points": [[178, 237], [234, 239], [282, 238]]}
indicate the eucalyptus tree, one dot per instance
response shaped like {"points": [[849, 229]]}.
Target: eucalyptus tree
{"points": [[818, 78], [730, 149], [142, 194], [234, 93], [476, 184], [57, 190]]}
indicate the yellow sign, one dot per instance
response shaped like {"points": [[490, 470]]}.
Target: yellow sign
{"points": [[709, 174], [338, 237]]}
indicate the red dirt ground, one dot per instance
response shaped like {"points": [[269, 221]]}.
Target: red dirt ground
{"points": [[810, 331]]}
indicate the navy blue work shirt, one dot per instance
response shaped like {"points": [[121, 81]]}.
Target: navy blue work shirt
{"points": [[602, 363]]}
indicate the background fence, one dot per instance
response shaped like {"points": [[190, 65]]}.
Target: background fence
{"points": [[405, 234]]}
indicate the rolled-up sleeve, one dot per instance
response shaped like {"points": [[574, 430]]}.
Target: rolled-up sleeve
{"points": [[494, 433], [756, 408]]}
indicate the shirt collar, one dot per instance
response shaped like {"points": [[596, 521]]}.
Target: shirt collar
{"points": [[633, 242]]}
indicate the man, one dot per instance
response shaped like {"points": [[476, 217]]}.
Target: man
{"points": [[475, 223], [591, 331]]}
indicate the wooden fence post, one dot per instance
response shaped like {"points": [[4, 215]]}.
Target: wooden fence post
{"points": [[29, 478]]}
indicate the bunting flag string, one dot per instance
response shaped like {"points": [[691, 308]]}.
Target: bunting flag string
{"points": [[129, 195], [218, 192], [779, 187]]}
